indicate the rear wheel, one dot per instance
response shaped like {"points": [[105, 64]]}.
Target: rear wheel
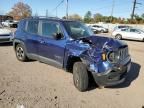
{"points": [[118, 36], [80, 76], [20, 53]]}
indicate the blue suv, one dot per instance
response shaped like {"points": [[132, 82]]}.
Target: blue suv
{"points": [[71, 45]]}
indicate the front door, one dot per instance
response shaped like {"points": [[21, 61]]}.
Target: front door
{"points": [[135, 34], [50, 49]]}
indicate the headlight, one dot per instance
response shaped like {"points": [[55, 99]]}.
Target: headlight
{"points": [[104, 58], [113, 57]]}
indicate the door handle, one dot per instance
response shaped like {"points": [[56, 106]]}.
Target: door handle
{"points": [[42, 41]]}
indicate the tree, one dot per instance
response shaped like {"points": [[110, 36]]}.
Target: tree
{"points": [[88, 17], [138, 18], [64, 17], [142, 16], [20, 11], [98, 17], [75, 17]]}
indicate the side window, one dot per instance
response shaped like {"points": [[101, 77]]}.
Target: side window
{"points": [[21, 25], [95, 26], [32, 27], [125, 30], [134, 31], [49, 29]]}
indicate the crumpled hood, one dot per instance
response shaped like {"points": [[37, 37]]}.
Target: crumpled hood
{"points": [[100, 42]]}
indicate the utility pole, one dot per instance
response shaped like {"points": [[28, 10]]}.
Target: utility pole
{"points": [[67, 9], [47, 13], [56, 11], [134, 7], [133, 10], [113, 5]]}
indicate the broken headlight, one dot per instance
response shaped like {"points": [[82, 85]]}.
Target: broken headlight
{"points": [[113, 57]]}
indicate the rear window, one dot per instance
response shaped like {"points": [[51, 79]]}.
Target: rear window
{"points": [[32, 27]]}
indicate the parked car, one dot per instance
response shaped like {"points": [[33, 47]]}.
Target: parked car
{"points": [[93, 30], [71, 45], [5, 35], [10, 23], [98, 28], [129, 33]]}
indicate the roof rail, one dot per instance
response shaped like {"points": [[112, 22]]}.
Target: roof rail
{"points": [[44, 17]]}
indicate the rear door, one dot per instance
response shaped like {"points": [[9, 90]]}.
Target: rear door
{"points": [[32, 36], [125, 33], [50, 49]]}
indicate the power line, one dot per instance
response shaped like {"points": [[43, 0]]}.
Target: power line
{"points": [[55, 9]]}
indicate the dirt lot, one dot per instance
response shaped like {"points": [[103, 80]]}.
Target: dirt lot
{"points": [[37, 85]]}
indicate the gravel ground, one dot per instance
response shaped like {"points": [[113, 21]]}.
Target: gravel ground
{"points": [[37, 85]]}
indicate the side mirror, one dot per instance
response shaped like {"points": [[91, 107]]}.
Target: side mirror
{"points": [[58, 36]]}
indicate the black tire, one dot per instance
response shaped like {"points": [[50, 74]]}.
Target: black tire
{"points": [[118, 36], [80, 76], [20, 53], [102, 31]]}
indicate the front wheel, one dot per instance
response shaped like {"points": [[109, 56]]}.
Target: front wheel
{"points": [[20, 53], [80, 76], [102, 31], [118, 36]]}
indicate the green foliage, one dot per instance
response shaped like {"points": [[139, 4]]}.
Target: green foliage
{"points": [[75, 17], [142, 16], [88, 17]]}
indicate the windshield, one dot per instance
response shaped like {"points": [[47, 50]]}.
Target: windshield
{"points": [[141, 30], [77, 29]]}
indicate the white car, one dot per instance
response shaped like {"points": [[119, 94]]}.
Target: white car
{"points": [[10, 23], [5, 35], [129, 33], [99, 28]]}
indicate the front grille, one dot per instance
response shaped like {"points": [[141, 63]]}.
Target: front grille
{"points": [[123, 53], [4, 34], [4, 40]]}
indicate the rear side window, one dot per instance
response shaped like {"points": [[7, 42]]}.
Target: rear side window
{"points": [[50, 28], [32, 27], [95, 26], [124, 30], [21, 25]]}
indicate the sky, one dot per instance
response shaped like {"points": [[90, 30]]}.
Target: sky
{"points": [[122, 8]]}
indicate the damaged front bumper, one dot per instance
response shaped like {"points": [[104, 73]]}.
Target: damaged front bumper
{"points": [[112, 74]]}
